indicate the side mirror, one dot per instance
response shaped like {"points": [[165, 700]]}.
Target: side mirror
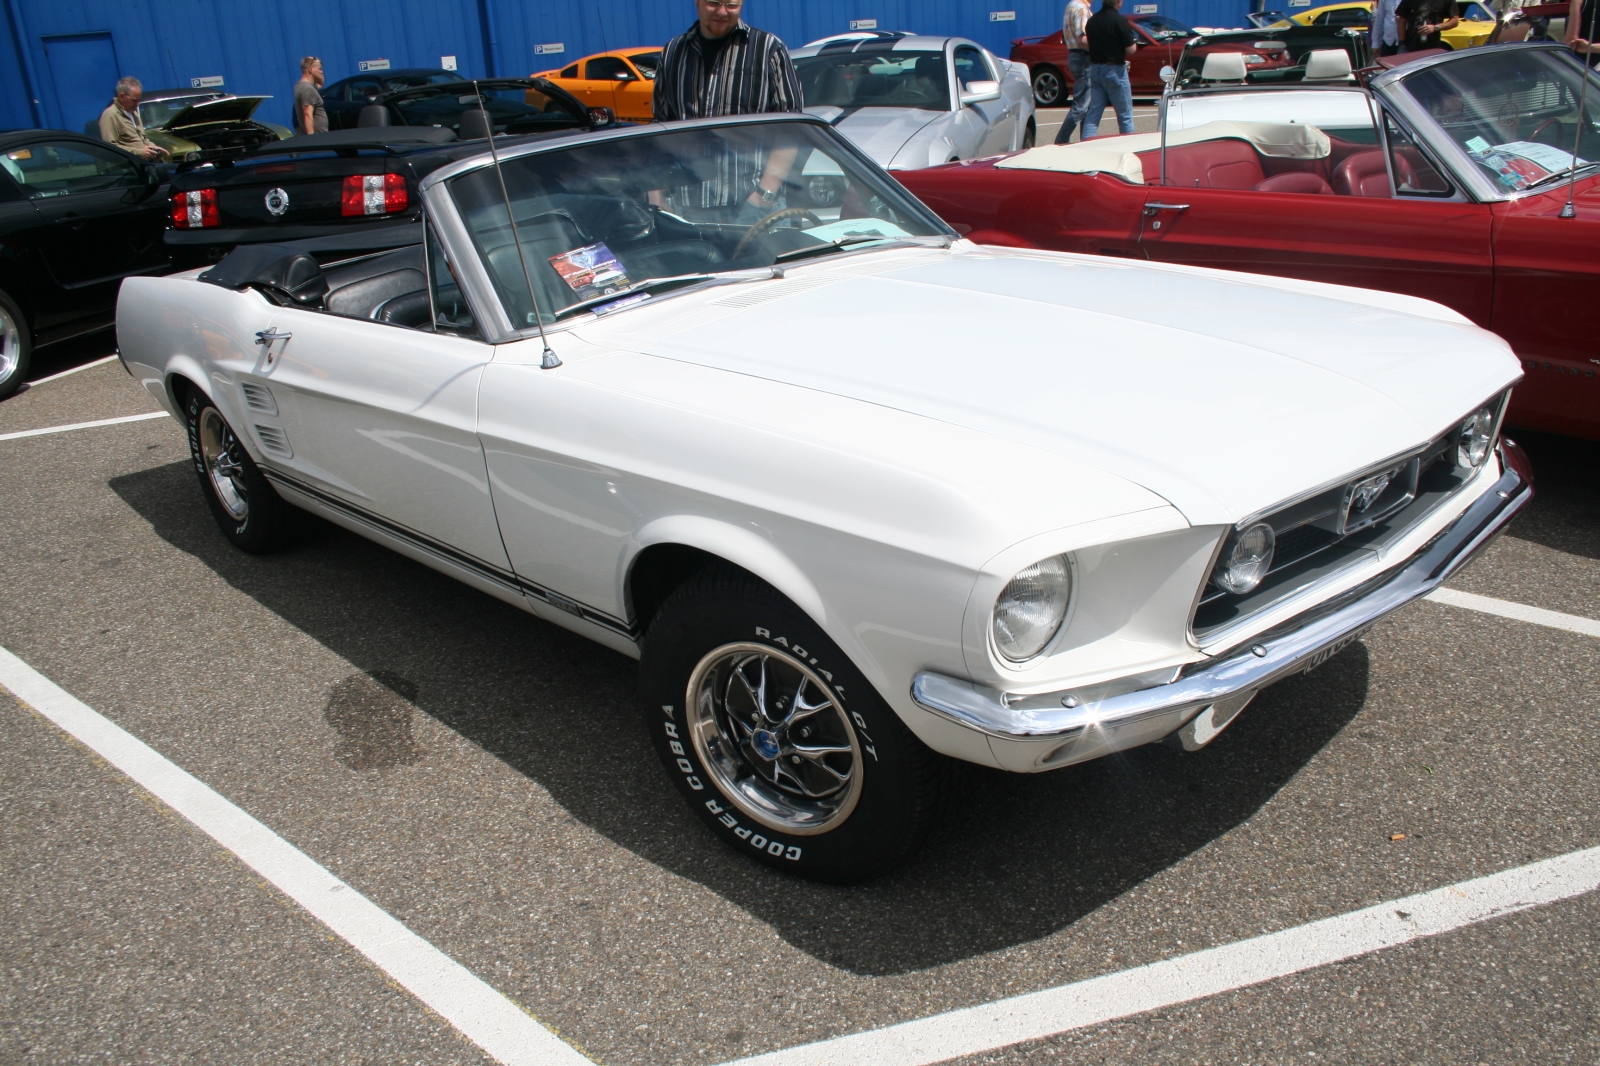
{"points": [[623, 75], [601, 116], [1168, 75], [153, 174], [980, 92]]}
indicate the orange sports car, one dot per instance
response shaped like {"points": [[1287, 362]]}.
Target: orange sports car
{"points": [[623, 80]]}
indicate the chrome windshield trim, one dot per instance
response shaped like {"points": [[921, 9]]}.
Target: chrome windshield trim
{"points": [[1298, 646]]}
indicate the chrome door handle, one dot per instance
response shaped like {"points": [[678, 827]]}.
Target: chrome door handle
{"points": [[1151, 209], [267, 336]]}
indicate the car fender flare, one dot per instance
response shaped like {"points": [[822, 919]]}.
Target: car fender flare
{"points": [[739, 546], [189, 369]]}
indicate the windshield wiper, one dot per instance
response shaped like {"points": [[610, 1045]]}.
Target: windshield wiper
{"points": [[650, 285], [844, 242], [1562, 174]]}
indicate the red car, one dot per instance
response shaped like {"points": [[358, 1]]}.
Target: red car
{"points": [[1446, 178], [1161, 41]]}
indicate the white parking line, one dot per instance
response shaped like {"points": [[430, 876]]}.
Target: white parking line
{"points": [[1574, 623], [74, 370], [83, 425], [1203, 973], [483, 1015]]}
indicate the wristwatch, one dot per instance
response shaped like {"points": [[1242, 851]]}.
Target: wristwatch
{"points": [[768, 196]]}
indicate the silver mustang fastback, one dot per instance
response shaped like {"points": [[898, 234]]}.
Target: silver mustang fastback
{"points": [[862, 497]]}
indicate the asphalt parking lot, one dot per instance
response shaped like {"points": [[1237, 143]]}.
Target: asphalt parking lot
{"points": [[483, 778]]}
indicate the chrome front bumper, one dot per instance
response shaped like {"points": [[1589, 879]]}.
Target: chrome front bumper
{"points": [[1040, 732]]}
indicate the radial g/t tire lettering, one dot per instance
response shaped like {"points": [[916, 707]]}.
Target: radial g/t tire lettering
{"points": [[248, 510], [776, 740]]}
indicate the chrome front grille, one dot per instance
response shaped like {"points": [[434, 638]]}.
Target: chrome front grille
{"points": [[1338, 527]]}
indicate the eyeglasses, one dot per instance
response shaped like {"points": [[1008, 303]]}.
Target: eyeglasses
{"points": [[724, 4]]}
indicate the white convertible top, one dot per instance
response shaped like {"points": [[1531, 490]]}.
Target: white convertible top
{"points": [[1281, 140]]}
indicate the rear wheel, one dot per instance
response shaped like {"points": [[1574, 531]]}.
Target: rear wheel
{"points": [[248, 510], [778, 743], [1048, 86], [16, 346]]}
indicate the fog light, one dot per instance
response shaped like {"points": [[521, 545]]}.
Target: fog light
{"points": [[1247, 562], [1474, 438]]}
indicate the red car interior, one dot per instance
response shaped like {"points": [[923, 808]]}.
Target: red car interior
{"points": [[1350, 169]]}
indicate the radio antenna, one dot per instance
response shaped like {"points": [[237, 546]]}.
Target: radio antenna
{"points": [[550, 360], [1583, 98]]}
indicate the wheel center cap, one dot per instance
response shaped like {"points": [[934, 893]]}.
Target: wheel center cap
{"points": [[765, 742]]}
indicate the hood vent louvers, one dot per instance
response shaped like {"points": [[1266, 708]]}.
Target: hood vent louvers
{"points": [[775, 290], [258, 398], [274, 441]]}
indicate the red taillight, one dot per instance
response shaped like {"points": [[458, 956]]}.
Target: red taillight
{"points": [[195, 210], [374, 194]]}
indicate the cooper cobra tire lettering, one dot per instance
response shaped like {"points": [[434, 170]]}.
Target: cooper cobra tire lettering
{"points": [[899, 786]]}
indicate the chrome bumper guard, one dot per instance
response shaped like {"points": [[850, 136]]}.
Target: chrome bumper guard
{"points": [[1051, 730]]}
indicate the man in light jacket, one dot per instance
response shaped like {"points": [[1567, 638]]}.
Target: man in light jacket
{"points": [[121, 125]]}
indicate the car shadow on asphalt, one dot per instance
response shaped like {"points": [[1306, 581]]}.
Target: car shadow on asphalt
{"points": [[1021, 856], [1565, 513]]}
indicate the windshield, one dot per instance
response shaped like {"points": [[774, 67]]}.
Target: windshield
{"points": [[598, 219], [156, 113], [1514, 111], [875, 79], [394, 82], [1341, 113], [1163, 28], [647, 62], [513, 109]]}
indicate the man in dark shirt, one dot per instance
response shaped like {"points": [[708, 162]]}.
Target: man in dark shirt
{"points": [[1111, 43], [721, 66], [1421, 20]]}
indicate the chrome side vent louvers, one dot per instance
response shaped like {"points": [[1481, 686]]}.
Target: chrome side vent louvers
{"points": [[274, 441], [258, 398]]}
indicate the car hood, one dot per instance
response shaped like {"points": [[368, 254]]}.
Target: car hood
{"points": [[228, 109], [1223, 393], [879, 131]]}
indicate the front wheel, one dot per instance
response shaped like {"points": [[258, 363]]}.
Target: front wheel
{"points": [[248, 510], [16, 346], [1030, 135], [1048, 86], [778, 743]]}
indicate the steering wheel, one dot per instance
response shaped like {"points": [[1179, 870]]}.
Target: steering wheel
{"points": [[1546, 124], [767, 223]]}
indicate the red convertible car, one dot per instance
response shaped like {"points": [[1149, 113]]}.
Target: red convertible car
{"points": [[1160, 39], [1452, 178]]}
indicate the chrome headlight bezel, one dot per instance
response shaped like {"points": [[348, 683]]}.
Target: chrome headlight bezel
{"points": [[1475, 438], [1246, 559], [1044, 589]]}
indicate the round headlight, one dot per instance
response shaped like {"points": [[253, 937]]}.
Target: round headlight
{"points": [[1031, 608], [1248, 561], [1472, 442]]}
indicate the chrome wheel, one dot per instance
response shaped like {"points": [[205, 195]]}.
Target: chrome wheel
{"points": [[1047, 88], [10, 344], [223, 457], [775, 738]]}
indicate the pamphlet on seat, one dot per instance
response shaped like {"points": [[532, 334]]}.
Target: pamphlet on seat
{"points": [[1521, 163], [591, 271]]}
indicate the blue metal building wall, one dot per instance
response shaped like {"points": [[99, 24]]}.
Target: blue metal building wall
{"points": [[256, 46]]}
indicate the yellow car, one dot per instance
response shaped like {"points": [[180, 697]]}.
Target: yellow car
{"points": [[623, 80], [1474, 29]]}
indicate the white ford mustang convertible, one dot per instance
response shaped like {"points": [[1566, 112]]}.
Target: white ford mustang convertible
{"points": [[861, 496]]}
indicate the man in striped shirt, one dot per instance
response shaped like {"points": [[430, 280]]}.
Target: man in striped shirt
{"points": [[721, 66]]}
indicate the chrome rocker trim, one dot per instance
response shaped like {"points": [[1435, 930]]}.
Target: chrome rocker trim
{"points": [[1298, 646]]}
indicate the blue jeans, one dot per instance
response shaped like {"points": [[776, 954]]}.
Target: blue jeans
{"points": [[1078, 65], [1108, 83]]}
